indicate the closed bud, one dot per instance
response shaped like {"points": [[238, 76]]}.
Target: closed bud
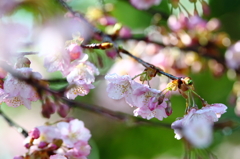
{"points": [[35, 133], [42, 144]]}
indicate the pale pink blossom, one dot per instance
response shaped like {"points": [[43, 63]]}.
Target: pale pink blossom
{"points": [[232, 56], [80, 150], [12, 37], [196, 126], [47, 134], [78, 88], [82, 71], [16, 92], [119, 86], [199, 133], [144, 4], [51, 44], [75, 52], [57, 156], [73, 132]]}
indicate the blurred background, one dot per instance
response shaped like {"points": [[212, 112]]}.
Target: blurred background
{"points": [[112, 138]]}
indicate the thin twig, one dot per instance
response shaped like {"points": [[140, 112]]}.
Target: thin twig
{"points": [[12, 124]]}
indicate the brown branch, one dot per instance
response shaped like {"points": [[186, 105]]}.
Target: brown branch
{"points": [[13, 124], [88, 107]]}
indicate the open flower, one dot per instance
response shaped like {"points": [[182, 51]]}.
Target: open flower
{"points": [[196, 126], [16, 92]]}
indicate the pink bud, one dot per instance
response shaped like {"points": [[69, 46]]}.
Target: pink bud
{"points": [[111, 54], [53, 146], [107, 20], [35, 133], [74, 51], [18, 157], [42, 144], [27, 145], [125, 32], [168, 109], [63, 110]]}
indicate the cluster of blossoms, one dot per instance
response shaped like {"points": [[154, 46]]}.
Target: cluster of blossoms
{"points": [[195, 126], [15, 92], [73, 64], [61, 140], [144, 98]]}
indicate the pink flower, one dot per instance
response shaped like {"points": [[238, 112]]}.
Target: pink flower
{"points": [[47, 134], [78, 88], [82, 71], [81, 149], [232, 56], [136, 95], [16, 92], [152, 109], [144, 4], [119, 86], [52, 49], [57, 156], [75, 52], [73, 132], [107, 20], [196, 126], [199, 133]]}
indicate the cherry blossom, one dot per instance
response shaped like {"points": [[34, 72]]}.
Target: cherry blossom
{"points": [[73, 131], [119, 86], [63, 139], [144, 4], [78, 88], [75, 52], [136, 95], [82, 71], [58, 156], [196, 126], [16, 92], [232, 56]]}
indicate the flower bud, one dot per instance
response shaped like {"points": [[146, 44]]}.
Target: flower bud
{"points": [[42, 144], [35, 133], [22, 62], [74, 51], [63, 110]]}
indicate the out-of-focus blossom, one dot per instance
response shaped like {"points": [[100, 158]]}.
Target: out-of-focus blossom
{"points": [[176, 24], [82, 71], [144, 4], [12, 37], [16, 92], [58, 157], [199, 133], [51, 44], [78, 88], [196, 126], [75, 52], [73, 132], [3, 73], [232, 56], [107, 20], [61, 140], [80, 150], [125, 32]]}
